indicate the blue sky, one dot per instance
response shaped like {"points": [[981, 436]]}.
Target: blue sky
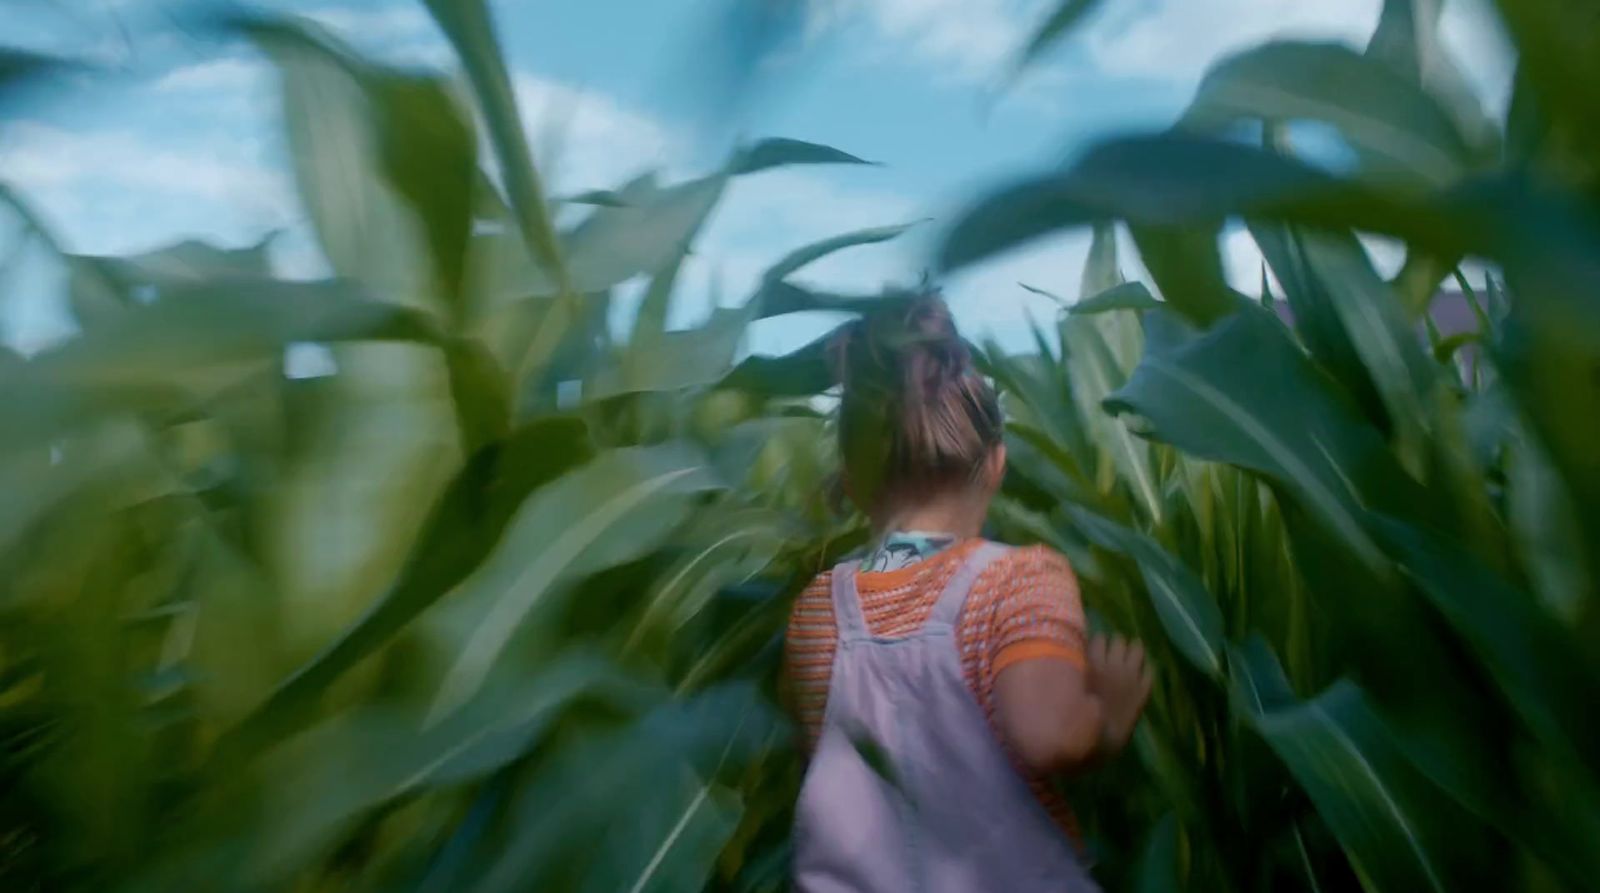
{"points": [[186, 142]]}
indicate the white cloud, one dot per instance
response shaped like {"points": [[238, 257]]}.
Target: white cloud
{"points": [[227, 74], [969, 39], [402, 33], [588, 139], [1178, 40], [84, 176], [405, 21]]}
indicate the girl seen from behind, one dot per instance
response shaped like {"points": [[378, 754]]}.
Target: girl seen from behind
{"points": [[942, 680]]}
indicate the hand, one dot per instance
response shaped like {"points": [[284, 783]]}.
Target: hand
{"points": [[1119, 676]]}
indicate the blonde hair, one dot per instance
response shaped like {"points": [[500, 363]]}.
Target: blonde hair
{"points": [[914, 415]]}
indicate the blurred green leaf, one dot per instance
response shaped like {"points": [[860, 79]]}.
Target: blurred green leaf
{"points": [[1101, 269], [800, 373], [1127, 296], [1055, 27], [466, 523], [21, 69], [1158, 863], [190, 344], [1557, 60], [470, 28], [569, 804], [808, 254], [782, 152], [331, 775], [1338, 751], [626, 500], [1409, 40], [1095, 373], [1546, 677], [1187, 611], [1264, 408], [1393, 122]]}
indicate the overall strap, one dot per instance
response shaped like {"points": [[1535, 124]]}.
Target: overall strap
{"points": [[954, 597], [847, 616]]}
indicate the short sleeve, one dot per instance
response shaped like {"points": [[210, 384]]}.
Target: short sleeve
{"points": [[1037, 611], [809, 645]]}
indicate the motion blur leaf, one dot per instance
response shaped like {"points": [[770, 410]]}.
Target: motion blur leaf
{"points": [[99, 289], [1186, 265], [1557, 45], [470, 28], [190, 262], [1043, 293], [384, 162], [1541, 516], [815, 251], [1328, 275], [21, 69], [1127, 296], [1339, 752], [675, 360], [429, 150], [1409, 40], [571, 801], [605, 198], [800, 373], [333, 774], [650, 322], [1176, 180], [1067, 15], [1543, 672], [468, 521], [671, 841], [1187, 611], [1101, 269], [1393, 122], [1095, 373], [192, 343], [779, 298], [1158, 862], [615, 508], [615, 244], [782, 152], [1263, 407]]}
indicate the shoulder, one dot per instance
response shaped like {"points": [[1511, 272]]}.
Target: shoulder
{"points": [[1036, 564], [814, 605]]}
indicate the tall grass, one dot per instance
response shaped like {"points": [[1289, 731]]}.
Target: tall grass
{"points": [[496, 606]]}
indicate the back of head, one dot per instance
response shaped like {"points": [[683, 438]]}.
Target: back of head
{"points": [[915, 417]]}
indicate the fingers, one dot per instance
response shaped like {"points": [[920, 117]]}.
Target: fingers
{"points": [[1098, 653]]}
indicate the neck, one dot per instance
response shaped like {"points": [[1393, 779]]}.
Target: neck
{"points": [[956, 513]]}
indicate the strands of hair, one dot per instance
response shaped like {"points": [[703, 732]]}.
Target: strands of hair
{"points": [[914, 413]]}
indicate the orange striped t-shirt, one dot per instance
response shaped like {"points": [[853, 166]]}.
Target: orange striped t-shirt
{"points": [[1024, 605]]}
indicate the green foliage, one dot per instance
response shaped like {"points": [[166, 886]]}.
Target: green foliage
{"points": [[1336, 501], [497, 605]]}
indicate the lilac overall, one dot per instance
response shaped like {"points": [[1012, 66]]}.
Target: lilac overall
{"points": [[909, 791]]}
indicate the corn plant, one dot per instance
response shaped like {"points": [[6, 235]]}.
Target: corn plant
{"points": [[1360, 556], [491, 607]]}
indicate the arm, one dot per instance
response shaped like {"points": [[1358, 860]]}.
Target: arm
{"points": [[1060, 719]]}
